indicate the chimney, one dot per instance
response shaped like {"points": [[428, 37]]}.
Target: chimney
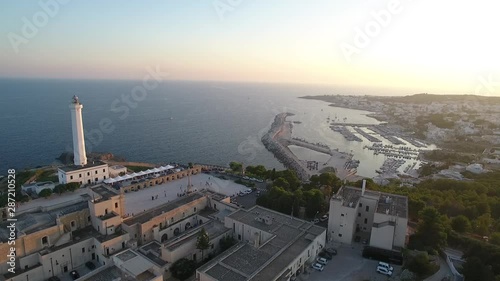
{"points": [[256, 240], [363, 188]]}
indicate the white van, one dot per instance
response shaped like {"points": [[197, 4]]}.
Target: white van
{"points": [[386, 265]]}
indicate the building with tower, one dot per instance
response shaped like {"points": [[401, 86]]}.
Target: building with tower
{"points": [[377, 219], [81, 171]]}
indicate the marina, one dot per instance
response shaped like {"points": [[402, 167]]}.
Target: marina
{"points": [[348, 135], [401, 152], [366, 135], [391, 166]]}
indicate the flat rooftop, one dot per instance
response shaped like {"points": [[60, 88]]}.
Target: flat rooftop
{"points": [[148, 215], [391, 204], [213, 228], [36, 221], [89, 231], [394, 205], [152, 251], [71, 168], [291, 236], [104, 192]]}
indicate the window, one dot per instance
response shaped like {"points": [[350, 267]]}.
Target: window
{"points": [[83, 250], [341, 215], [88, 218], [104, 177], [340, 235], [104, 170], [73, 223], [96, 172], [116, 205], [212, 246], [96, 179], [367, 208], [366, 221], [45, 240], [88, 173], [79, 175], [70, 177], [359, 214], [239, 237], [172, 220], [360, 204], [195, 209]]}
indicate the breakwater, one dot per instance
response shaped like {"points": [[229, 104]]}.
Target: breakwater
{"points": [[272, 142]]}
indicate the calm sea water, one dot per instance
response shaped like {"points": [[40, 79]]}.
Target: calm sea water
{"points": [[204, 122]]}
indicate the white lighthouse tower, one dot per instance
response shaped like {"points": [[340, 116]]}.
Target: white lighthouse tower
{"points": [[80, 157]]}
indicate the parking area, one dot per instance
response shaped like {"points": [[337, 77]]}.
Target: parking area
{"points": [[349, 265]]}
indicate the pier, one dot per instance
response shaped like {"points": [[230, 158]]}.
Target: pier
{"points": [[278, 138], [366, 135]]}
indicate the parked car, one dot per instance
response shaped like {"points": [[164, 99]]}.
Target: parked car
{"points": [[331, 251], [318, 266], [322, 261], [324, 218], [90, 265], [325, 255], [74, 274], [383, 270], [386, 265]]}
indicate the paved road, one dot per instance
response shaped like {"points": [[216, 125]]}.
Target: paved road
{"points": [[444, 270]]}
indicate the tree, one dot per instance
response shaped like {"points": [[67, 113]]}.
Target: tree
{"points": [[281, 182], [72, 186], [495, 238], [203, 242], [60, 189], [236, 166], [431, 231], [420, 265], [183, 269], [461, 224], [475, 270], [45, 193], [482, 224], [226, 243]]}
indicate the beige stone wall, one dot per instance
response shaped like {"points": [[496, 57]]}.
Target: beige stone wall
{"points": [[146, 229], [79, 219], [163, 179]]}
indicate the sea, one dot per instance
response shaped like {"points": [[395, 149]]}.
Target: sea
{"points": [[174, 121]]}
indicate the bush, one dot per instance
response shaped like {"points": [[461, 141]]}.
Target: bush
{"points": [[421, 265], [45, 193]]}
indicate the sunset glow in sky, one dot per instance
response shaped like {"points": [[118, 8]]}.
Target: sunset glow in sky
{"points": [[429, 46]]}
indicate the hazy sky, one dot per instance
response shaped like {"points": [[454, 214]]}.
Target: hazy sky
{"points": [[432, 46]]}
